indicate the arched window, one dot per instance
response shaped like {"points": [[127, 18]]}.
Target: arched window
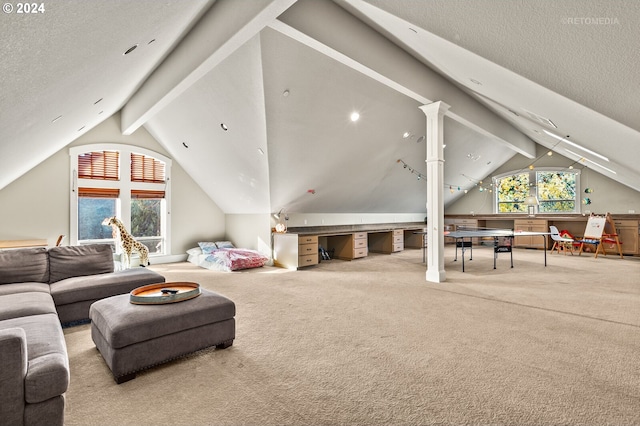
{"points": [[554, 190], [128, 182]]}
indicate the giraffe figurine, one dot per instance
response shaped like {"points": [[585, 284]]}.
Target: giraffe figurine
{"points": [[128, 243]]}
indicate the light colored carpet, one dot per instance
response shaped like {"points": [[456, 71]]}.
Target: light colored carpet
{"points": [[371, 342]]}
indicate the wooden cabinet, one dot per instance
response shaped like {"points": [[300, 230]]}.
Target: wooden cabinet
{"points": [[387, 241], [348, 246], [530, 225], [627, 234], [627, 228], [293, 251], [360, 245]]}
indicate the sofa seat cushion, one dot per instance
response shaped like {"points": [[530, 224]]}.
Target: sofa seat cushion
{"points": [[13, 350], [48, 370], [25, 304], [76, 261], [24, 288], [24, 265], [94, 287]]}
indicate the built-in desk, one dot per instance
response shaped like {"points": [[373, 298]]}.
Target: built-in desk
{"points": [[627, 226], [294, 249], [346, 246], [386, 241]]}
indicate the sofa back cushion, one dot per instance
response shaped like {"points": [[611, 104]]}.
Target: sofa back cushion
{"points": [[77, 261], [24, 265]]}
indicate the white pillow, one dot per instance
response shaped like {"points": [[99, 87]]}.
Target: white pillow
{"points": [[208, 247], [194, 251], [224, 244]]}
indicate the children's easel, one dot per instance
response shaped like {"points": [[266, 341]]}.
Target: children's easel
{"points": [[600, 230]]}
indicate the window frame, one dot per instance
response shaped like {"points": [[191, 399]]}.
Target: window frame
{"points": [[533, 189], [125, 185]]}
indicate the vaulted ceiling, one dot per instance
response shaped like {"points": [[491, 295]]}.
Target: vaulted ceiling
{"points": [[253, 98]]}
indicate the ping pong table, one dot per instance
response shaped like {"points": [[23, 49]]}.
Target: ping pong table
{"points": [[502, 241]]}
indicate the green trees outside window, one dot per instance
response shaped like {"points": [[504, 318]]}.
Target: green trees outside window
{"points": [[146, 221], [556, 190], [512, 191]]}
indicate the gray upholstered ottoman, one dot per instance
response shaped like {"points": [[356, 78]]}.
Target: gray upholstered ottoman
{"points": [[134, 337]]}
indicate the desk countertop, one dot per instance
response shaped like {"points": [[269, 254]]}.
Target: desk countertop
{"points": [[350, 229]]}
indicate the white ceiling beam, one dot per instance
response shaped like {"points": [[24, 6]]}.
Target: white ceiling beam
{"points": [[353, 43], [222, 30]]}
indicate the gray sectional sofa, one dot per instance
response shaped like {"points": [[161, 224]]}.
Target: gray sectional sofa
{"points": [[41, 289]]}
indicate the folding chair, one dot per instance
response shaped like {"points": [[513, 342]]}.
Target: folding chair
{"points": [[560, 243]]}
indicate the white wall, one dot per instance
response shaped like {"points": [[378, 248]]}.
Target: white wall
{"points": [[37, 204], [250, 231], [607, 196], [325, 219]]}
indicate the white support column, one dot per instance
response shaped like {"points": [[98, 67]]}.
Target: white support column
{"points": [[435, 185]]}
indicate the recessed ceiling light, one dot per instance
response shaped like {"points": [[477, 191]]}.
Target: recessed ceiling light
{"points": [[412, 29], [420, 139], [81, 128], [260, 151], [355, 116], [474, 81], [131, 49], [151, 41], [185, 145], [285, 93], [98, 101], [406, 135], [224, 127], [56, 119]]}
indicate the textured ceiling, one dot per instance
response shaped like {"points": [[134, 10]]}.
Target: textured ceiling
{"points": [[571, 61], [577, 48], [567, 62], [68, 62]]}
